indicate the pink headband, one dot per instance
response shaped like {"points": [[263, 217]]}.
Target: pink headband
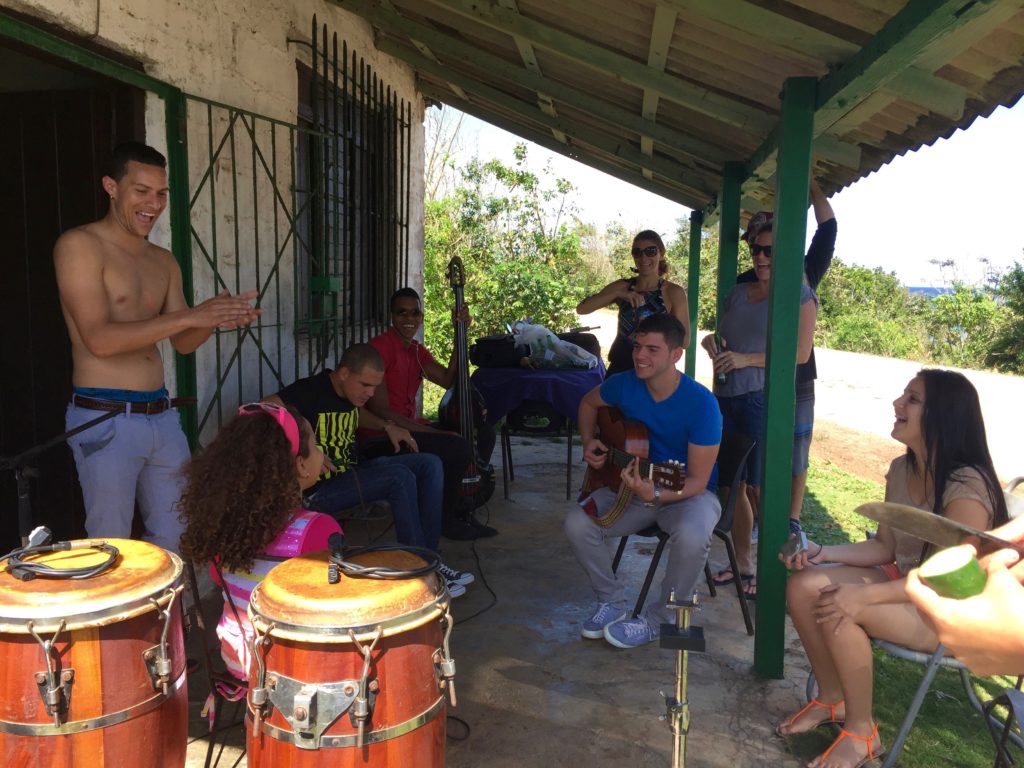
{"points": [[281, 416]]}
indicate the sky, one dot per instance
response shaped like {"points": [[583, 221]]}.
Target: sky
{"points": [[956, 200]]}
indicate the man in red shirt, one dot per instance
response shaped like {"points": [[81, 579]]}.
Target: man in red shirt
{"points": [[406, 363]]}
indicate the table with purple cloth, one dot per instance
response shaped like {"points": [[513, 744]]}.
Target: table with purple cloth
{"points": [[505, 389]]}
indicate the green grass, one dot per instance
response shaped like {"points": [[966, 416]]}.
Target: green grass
{"points": [[948, 731]]}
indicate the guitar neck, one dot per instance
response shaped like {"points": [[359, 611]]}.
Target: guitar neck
{"points": [[621, 458]]}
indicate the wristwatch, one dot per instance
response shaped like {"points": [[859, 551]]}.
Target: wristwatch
{"points": [[657, 498]]}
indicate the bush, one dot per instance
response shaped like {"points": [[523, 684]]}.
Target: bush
{"points": [[873, 336]]}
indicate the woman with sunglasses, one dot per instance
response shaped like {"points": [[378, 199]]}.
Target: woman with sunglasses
{"points": [[649, 293], [739, 384], [242, 510]]}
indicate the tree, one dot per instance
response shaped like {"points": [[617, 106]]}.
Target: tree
{"points": [[1006, 350], [520, 243]]}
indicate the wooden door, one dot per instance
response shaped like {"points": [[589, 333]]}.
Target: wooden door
{"points": [[53, 146]]}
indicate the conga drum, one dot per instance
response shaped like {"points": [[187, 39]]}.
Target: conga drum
{"points": [[92, 671], [348, 674]]}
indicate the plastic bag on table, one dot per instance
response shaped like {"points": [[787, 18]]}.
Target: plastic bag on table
{"points": [[549, 351]]}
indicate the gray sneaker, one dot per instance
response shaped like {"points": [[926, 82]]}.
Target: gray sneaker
{"points": [[606, 613]]}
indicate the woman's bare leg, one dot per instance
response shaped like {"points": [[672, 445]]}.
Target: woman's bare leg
{"points": [[742, 527], [802, 593]]}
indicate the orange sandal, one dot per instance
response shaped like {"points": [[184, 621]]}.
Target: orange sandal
{"points": [[812, 703], [869, 740]]}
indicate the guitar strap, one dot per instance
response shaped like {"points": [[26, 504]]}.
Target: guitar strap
{"points": [[611, 515]]}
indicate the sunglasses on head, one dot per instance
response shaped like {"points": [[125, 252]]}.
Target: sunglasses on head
{"points": [[281, 416], [650, 250], [765, 249]]}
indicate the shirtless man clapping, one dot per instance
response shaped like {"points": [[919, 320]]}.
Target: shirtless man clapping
{"points": [[121, 295]]}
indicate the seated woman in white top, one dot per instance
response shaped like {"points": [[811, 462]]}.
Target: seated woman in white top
{"points": [[838, 608]]}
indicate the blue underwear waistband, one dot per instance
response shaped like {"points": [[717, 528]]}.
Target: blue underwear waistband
{"points": [[123, 395]]}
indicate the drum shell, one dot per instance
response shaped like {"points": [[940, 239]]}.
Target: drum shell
{"points": [[307, 623], [110, 676], [404, 669]]}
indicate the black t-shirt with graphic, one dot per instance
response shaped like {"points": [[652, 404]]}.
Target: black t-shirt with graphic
{"points": [[334, 418]]}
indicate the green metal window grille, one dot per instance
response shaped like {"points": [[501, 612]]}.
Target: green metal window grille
{"points": [[314, 215]]}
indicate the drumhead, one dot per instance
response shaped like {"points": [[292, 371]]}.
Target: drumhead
{"points": [[297, 600], [141, 571]]}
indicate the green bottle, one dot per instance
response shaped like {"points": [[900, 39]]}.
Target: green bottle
{"points": [[720, 377]]}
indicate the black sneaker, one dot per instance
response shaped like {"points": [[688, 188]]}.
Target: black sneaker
{"points": [[483, 531], [460, 529]]}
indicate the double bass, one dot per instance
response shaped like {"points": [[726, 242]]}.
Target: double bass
{"points": [[463, 408]]}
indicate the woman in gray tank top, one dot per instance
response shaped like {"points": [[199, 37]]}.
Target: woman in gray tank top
{"points": [[739, 384]]}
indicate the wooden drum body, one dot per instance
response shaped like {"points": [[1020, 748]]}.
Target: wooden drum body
{"points": [[324, 653], [103, 635]]}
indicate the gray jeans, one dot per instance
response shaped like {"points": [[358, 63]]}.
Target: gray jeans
{"points": [[127, 457], [688, 523]]}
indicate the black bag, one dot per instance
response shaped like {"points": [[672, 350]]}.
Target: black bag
{"points": [[498, 351]]}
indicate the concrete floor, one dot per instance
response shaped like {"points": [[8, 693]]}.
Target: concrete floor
{"points": [[532, 693]]}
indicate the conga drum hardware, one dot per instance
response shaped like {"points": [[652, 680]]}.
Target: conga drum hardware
{"points": [[444, 664], [54, 689], [156, 659], [360, 668]]}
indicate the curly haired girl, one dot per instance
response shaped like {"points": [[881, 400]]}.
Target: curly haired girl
{"points": [[242, 510]]}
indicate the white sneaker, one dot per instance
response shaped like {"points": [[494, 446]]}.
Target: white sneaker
{"points": [[463, 578], [455, 589]]}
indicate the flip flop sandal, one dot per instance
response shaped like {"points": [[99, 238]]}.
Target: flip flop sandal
{"points": [[749, 589], [831, 720], [719, 579], [869, 740]]}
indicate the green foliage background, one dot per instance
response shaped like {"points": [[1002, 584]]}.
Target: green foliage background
{"points": [[527, 254]]}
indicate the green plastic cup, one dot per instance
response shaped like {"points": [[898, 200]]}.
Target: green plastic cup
{"points": [[954, 573]]}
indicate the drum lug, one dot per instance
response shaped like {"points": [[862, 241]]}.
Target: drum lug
{"points": [[443, 661], [310, 708], [54, 686], [56, 697], [158, 665]]}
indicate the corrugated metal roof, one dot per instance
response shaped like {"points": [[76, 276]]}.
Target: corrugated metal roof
{"points": [[663, 93]]}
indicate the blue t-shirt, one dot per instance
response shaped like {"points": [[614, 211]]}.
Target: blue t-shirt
{"points": [[688, 415]]}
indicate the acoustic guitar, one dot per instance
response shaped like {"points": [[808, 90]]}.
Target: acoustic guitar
{"points": [[627, 440]]}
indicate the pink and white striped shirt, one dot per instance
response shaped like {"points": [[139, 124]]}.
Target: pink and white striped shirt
{"points": [[305, 532]]}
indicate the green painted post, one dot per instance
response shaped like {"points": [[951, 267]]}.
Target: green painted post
{"points": [[176, 118], [795, 134], [728, 230], [692, 289]]}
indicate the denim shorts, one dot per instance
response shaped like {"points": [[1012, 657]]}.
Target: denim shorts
{"points": [[803, 428], [744, 415]]}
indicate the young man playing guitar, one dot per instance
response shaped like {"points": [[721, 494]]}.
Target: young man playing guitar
{"points": [[685, 425]]}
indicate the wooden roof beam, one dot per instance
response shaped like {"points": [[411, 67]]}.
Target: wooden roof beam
{"points": [[473, 58], [545, 140], [906, 37], [610, 64], [611, 145], [526, 53], [662, 29], [423, 48]]}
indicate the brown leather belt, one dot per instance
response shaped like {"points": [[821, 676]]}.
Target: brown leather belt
{"points": [[150, 409]]}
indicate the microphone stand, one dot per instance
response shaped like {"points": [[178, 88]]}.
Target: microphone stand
{"points": [[23, 471]]}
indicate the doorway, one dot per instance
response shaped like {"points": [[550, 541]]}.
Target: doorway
{"points": [[58, 126]]}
